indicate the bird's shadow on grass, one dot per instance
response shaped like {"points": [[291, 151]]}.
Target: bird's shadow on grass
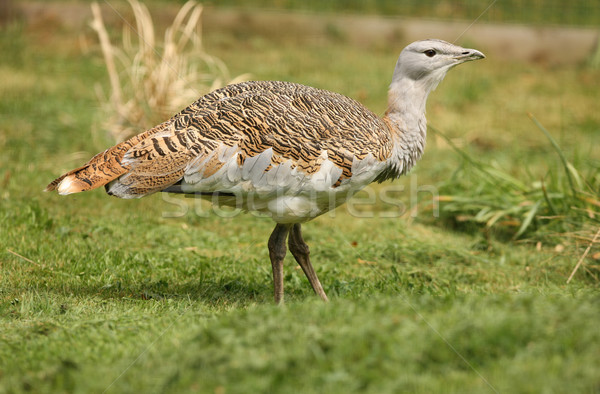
{"points": [[219, 291], [224, 290]]}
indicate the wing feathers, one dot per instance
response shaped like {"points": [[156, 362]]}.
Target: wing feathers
{"points": [[254, 133]]}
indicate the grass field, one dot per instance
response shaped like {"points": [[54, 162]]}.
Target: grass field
{"points": [[105, 295]]}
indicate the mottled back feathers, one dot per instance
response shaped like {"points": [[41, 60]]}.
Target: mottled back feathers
{"points": [[278, 122]]}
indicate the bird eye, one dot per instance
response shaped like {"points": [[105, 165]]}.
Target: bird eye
{"points": [[430, 52]]}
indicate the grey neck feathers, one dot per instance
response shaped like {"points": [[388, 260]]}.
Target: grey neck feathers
{"points": [[405, 118]]}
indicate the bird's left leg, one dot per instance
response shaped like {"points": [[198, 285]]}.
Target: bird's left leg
{"points": [[277, 251], [300, 250]]}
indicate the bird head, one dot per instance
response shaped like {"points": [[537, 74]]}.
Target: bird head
{"points": [[428, 61]]}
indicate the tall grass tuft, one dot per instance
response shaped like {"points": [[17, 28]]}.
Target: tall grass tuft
{"points": [[150, 81], [561, 207]]}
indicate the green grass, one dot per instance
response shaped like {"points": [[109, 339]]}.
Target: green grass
{"points": [[562, 201], [102, 294]]}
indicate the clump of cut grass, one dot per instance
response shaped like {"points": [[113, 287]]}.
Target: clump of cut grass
{"points": [[562, 207], [150, 81]]}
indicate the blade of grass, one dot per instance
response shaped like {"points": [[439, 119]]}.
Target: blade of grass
{"points": [[528, 219], [453, 146], [547, 198], [565, 163]]}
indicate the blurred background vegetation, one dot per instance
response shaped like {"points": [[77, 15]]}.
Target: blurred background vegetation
{"points": [[577, 12]]}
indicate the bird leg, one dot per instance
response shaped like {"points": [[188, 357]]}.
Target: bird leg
{"points": [[300, 250], [277, 251]]}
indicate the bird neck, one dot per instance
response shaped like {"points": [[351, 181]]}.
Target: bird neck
{"points": [[405, 118]]}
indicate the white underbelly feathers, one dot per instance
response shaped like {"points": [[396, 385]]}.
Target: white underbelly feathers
{"points": [[283, 192]]}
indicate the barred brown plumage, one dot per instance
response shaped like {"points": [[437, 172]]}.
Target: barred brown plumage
{"points": [[285, 149]]}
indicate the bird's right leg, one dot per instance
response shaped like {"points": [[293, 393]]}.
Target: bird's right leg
{"points": [[301, 253], [277, 250]]}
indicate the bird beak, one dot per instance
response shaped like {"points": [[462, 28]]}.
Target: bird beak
{"points": [[468, 55]]}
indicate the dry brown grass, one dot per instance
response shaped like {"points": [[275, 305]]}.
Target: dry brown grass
{"points": [[150, 80]]}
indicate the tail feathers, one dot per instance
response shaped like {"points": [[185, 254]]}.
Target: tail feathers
{"points": [[102, 168], [68, 183], [135, 185]]}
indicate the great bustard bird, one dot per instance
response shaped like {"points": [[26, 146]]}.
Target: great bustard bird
{"points": [[291, 151]]}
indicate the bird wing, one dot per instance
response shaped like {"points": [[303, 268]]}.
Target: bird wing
{"points": [[248, 135]]}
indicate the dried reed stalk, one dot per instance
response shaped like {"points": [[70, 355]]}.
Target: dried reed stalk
{"points": [[151, 81], [584, 255]]}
